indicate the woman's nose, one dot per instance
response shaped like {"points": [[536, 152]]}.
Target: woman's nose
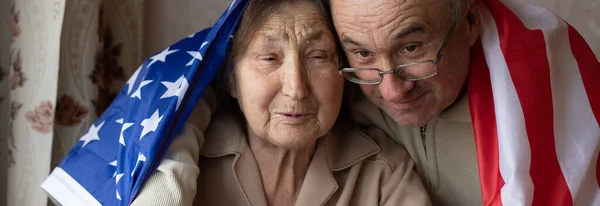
{"points": [[295, 81]]}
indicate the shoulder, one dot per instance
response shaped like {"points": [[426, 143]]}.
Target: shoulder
{"points": [[392, 154], [368, 145]]}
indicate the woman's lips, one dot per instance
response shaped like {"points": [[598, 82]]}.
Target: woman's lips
{"points": [[294, 118]]}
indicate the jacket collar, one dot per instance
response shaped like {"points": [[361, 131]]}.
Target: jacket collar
{"points": [[458, 112], [339, 149]]}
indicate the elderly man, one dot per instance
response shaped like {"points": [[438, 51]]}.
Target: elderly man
{"points": [[419, 64]]}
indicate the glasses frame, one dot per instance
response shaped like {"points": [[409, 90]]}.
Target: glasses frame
{"points": [[398, 69]]}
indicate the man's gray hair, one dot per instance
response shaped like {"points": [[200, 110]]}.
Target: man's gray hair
{"points": [[454, 7], [457, 7]]}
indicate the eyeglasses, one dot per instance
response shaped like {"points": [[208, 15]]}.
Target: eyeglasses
{"points": [[415, 71]]}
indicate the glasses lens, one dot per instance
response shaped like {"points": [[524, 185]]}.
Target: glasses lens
{"points": [[416, 72], [364, 76]]}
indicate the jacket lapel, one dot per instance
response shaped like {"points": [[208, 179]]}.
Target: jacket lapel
{"points": [[247, 174], [226, 138], [319, 184], [338, 150]]}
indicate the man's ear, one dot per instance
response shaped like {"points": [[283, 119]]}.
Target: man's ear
{"points": [[473, 23]]}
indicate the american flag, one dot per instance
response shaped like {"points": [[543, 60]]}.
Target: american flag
{"points": [[121, 149], [534, 92]]}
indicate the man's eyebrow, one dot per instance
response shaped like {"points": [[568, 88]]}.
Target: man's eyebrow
{"points": [[347, 40], [415, 28]]}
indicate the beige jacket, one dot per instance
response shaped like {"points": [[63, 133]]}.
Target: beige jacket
{"points": [[444, 151], [348, 168]]}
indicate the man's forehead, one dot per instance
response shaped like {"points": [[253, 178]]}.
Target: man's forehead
{"points": [[392, 19], [386, 9]]}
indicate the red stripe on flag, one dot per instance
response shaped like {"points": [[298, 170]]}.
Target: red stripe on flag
{"points": [[525, 54], [589, 68], [481, 103]]}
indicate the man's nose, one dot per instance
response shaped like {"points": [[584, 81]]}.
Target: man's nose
{"points": [[295, 81], [394, 89]]}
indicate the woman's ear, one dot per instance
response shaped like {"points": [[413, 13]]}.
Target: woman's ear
{"points": [[231, 83], [233, 91], [473, 23]]}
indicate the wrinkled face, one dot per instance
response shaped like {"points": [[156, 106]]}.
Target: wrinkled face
{"points": [[384, 34], [287, 82]]}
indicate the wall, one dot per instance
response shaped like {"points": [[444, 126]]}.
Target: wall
{"points": [[162, 28]]}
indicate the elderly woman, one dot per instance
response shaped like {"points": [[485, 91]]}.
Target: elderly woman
{"points": [[276, 138]]}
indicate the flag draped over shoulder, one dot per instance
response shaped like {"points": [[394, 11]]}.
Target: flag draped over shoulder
{"points": [[121, 149], [534, 94]]}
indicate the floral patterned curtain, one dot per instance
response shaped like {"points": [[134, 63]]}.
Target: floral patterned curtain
{"points": [[32, 74], [61, 65], [63, 61]]}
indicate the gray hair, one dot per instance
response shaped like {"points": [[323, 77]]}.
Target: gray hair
{"points": [[454, 7], [457, 7]]}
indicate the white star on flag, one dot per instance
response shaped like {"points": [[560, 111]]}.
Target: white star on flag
{"points": [[120, 121], [229, 9], [117, 178], [203, 44], [195, 55], [177, 88], [150, 124], [114, 164], [118, 196], [132, 80], [138, 92], [123, 128], [91, 135], [162, 56], [191, 35], [141, 158]]}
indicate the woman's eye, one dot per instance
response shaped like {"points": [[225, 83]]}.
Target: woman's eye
{"points": [[318, 55], [268, 58]]}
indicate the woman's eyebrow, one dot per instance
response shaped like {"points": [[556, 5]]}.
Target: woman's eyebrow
{"points": [[318, 35], [272, 37]]}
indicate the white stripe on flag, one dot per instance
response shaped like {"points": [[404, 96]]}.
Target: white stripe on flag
{"points": [[576, 136], [64, 189], [514, 152]]}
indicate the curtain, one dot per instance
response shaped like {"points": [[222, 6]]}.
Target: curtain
{"points": [[63, 61]]}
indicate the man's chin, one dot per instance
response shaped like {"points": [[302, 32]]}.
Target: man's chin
{"points": [[409, 118]]}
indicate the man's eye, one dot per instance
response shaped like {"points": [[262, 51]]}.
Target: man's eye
{"points": [[411, 48], [362, 54]]}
